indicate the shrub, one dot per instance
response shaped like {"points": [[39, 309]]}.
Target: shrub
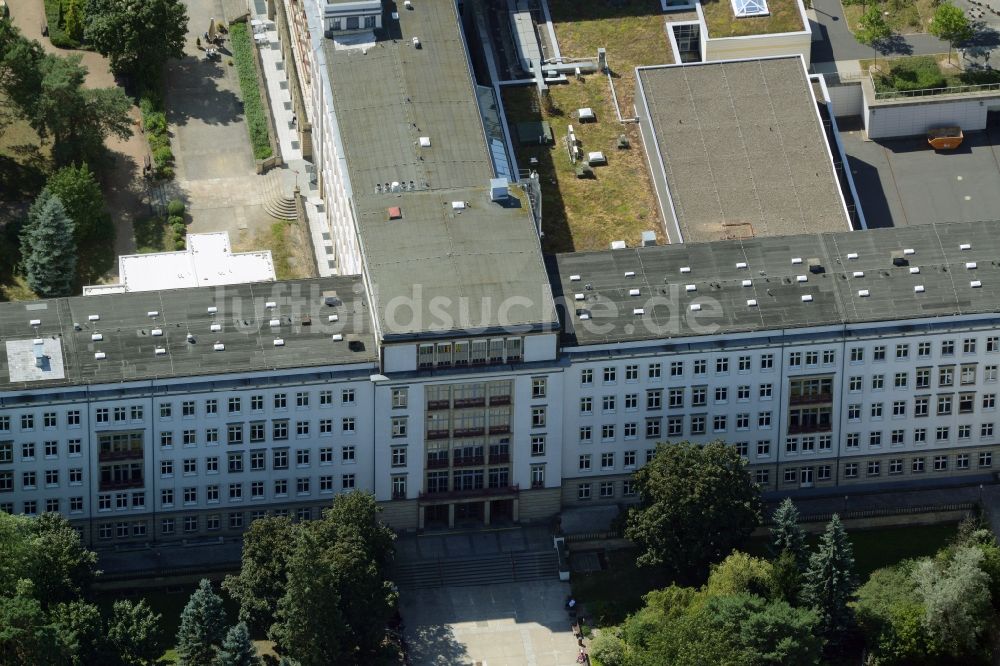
{"points": [[608, 649], [163, 155], [54, 17], [165, 172], [175, 208], [176, 222], [253, 107], [918, 73]]}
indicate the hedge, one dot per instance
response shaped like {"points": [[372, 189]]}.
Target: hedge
{"points": [[154, 122], [53, 17], [253, 108]]}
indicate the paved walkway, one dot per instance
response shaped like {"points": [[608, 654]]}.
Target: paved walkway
{"points": [[297, 169], [513, 624], [837, 42]]}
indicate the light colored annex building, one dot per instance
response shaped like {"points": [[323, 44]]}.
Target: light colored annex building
{"points": [[463, 380]]}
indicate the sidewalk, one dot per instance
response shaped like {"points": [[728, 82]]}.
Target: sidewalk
{"points": [[288, 143]]}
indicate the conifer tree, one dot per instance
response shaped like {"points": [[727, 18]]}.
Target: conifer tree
{"points": [[203, 627], [829, 581], [237, 648], [48, 247], [787, 534]]}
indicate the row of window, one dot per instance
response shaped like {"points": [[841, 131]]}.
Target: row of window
{"points": [[925, 349], [946, 406], [675, 398], [280, 460], [605, 489], [676, 369], [939, 463], [255, 490], [897, 437], [945, 377]]}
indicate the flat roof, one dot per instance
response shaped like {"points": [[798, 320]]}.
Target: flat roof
{"points": [[469, 261], [741, 148], [130, 327], [206, 261], [856, 280]]}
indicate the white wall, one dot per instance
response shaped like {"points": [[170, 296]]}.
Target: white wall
{"points": [[920, 115], [846, 100]]}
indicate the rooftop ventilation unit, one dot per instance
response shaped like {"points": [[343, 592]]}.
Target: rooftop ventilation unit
{"points": [[897, 258], [695, 307], [630, 274], [35, 322], [574, 278], [618, 245], [752, 302], [333, 318], [93, 317], [975, 284], [100, 355], [796, 260], [578, 297], [156, 332], [499, 189], [741, 264], [863, 293], [424, 141], [801, 278], [270, 305], [395, 213], [747, 283], [218, 346], [918, 289], [586, 114], [416, 42], [807, 298], [97, 337], [190, 338], [648, 238], [914, 270], [337, 337], [159, 351], [212, 309], [278, 342], [633, 292], [815, 266], [153, 314], [908, 251], [215, 328], [852, 255], [685, 269], [274, 323], [970, 265], [38, 349], [458, 205], [584, 314], [408, 4], [859, 274], [964, 246], [638, 312]]}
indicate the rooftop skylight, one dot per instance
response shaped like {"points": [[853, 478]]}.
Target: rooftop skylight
{"points": [[750, 7]]}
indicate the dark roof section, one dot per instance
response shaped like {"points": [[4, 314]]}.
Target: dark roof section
{"points": [[742, 149], [244, 313], [850, 277], [387, 97]]}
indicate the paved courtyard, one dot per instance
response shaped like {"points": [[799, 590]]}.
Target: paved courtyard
{"points": [[903, 181], [513, 624]]}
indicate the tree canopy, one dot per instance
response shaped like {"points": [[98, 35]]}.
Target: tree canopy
{"points": [[696, 504], [48, 248], [203, 626], [138, 36], [950, 24], [829, 582], [261, 580]]}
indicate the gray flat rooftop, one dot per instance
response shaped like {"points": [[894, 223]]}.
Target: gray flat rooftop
{"points": [[742, 149], [903, 181], [130, 332], [387, 97], [857, 281]]}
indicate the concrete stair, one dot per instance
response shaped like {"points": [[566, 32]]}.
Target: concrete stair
{"points": [[279, 200], [477, 570]]}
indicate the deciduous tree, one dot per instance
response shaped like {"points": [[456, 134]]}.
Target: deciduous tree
{"points": [[135, 633], [956, 600], [875, 30], [138, 36], [262, 577], [696, 504], [950, 24]]}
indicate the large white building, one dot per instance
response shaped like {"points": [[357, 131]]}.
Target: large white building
{"points": [[462, 379]]}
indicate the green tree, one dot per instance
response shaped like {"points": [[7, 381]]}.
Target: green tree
{"points": [[72, 21], [875, 30], [829, 580], [203, 627], [740, 573], [890, 614], [360, 511], [237, 648], [81, 195], [135, 633], [61, 567], [20, 76], [138, 36], [26, 635], [262, 577], [956, 600], [81, 631], [696, 504], [787, 534], [950, 24], [48, 248]]}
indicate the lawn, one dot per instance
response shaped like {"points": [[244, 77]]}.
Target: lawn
{"points": [[611, 594], [289, 246], [784, 16], [905, 16], [619, 202]]}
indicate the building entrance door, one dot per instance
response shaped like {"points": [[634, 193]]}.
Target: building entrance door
{"points": [[469, 513], [806, 477], [436, 516]]}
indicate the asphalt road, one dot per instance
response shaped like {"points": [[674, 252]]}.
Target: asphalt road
{"points": [[838, 43]]}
